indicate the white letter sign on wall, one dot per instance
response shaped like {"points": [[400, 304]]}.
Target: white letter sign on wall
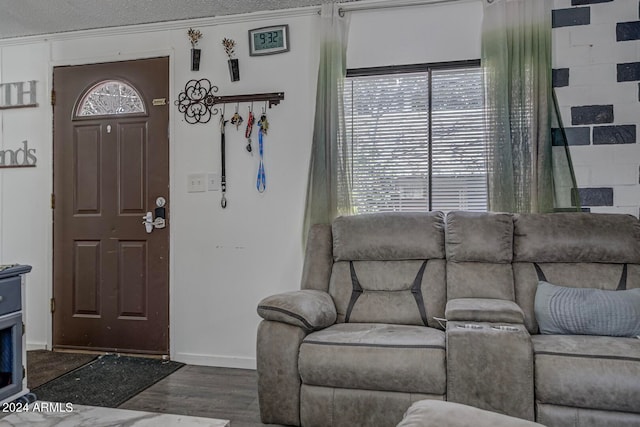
{"points": [[18, 95]]}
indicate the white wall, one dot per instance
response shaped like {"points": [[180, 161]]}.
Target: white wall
{"points": [[225, 261], [222, 261], [415, 35], [25, 213]]}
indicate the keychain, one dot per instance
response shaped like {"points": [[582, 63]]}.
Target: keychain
{"points": [[263, 123], [237, 119], [247, 132]]}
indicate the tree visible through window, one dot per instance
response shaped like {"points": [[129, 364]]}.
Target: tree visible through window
{"points": [[416, 139]]}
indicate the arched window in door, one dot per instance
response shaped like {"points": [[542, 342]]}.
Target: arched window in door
{"points": [[110, 97]]}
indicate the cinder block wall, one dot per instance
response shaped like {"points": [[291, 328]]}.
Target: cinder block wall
{"points": [[596, 57]]}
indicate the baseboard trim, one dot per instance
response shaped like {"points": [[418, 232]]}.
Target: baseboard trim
{"points": [[36, 346], [213, 360]]}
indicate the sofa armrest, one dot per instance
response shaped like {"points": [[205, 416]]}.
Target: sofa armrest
{"points": [[484, 310], [308, 309]]}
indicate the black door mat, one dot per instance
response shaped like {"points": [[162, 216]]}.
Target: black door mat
{"points": [[108, 381], [44, 365]]}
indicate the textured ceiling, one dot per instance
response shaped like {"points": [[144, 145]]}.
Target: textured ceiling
{"points": [[36, 17]]}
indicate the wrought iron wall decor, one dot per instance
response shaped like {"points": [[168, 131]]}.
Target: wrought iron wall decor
{"points": [[198, 100]]}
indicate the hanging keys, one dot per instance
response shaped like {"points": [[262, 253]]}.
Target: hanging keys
{"points": [[237, 119], [263, 123]]}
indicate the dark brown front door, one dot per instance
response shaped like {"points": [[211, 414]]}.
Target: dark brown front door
{"points": [[111, 164]]}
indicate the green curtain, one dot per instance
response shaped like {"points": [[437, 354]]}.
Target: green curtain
{"points": [[526, 172], [329, 183]]}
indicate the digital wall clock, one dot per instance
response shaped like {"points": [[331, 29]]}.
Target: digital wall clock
{"points": [[269, 40]]}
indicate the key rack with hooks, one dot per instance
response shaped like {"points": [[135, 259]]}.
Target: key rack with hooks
{"points": [[198, 100]]}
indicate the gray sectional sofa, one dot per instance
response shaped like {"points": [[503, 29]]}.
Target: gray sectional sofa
{"points": [[366, 335]]}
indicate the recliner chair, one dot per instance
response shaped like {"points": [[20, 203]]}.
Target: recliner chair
{"points": [[359, 343]]}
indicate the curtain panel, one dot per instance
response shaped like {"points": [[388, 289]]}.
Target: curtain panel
{"points": [[329, 183], [523, 174]]}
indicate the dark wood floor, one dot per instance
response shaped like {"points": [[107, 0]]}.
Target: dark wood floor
{"points": [[202, 391]]}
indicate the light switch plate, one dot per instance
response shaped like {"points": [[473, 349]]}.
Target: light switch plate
{"points": [[213, 181], [196, 182]]}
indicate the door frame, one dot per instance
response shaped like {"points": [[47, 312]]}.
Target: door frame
{"points": [[117, 57]]}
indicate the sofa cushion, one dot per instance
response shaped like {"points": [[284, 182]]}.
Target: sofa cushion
{"points": [[409, 359], [553, 415], [479, 237], [576, 311], [576, 237], [479, 280], [433, 413], [390, 291], [389, 236], [479, 248], [484, 310], [588, 371]]}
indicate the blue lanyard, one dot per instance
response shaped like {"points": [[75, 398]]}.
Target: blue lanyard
{"points": [[261, 180]]}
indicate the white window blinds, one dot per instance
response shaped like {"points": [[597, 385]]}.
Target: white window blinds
{"points": [[415, 150]]}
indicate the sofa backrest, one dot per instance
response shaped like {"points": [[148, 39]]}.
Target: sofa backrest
{"points": [[389, 268], [584, 250], [488, 255], [479, 251]]}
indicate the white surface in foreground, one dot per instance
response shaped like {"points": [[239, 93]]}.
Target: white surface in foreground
{"points": [[93, 416]]}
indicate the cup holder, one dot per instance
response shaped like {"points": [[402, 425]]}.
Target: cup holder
{"points": [[470, 326], [505, 328]]}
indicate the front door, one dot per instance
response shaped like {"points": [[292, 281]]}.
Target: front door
{"points": [[111, 167]]}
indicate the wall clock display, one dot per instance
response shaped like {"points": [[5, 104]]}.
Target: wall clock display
{"points": [[269, 40]]}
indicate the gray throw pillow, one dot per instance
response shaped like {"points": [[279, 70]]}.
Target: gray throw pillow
{"points": [[580, 311]]}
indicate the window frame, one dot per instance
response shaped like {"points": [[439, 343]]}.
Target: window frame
{"points": [[91, 87], [418, 68]]}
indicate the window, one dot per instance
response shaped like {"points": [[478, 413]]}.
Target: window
{"points": [[110, 97], [416, 138]]}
